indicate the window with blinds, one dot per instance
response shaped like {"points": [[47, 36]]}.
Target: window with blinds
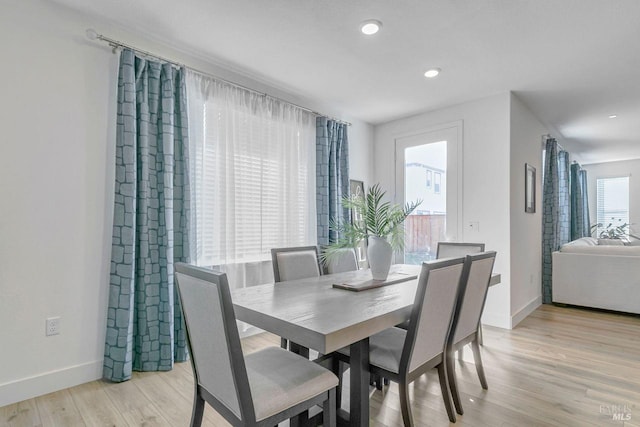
{"points": [[612, 202], [254, 185]]}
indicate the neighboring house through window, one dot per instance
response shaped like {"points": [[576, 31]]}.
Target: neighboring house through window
{"points": [[437, 180]]}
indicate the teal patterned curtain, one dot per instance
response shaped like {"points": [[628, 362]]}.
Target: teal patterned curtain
{"points": [[555, 214], [150, 222], [565, 201], [580, 226], [585, 203], [332, 176]]}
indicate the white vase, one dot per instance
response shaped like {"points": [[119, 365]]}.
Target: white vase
{"points": [[380, 254]]}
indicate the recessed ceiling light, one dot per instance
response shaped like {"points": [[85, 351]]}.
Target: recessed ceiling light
{"points": [[432, 73], [370, 27], [613, 116]]}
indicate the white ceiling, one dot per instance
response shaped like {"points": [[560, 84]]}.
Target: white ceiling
{"points": [[573, 62]]}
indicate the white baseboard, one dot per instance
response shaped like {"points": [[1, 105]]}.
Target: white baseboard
{"points": [[497, 320], [526, 310], [48, 382]]}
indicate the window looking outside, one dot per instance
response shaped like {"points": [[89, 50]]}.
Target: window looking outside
{"points": [[612, 202], [253, 179], [425, 227]]}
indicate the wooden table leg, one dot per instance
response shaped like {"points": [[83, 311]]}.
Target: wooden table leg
{"points": [[298, 349], [359, 383]]}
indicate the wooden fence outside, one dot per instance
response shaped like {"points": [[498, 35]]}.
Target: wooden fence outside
{"points": [[423, 232]]}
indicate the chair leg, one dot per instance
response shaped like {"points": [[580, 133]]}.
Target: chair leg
{"points": [[284, 343], [198, 411], [300, 420], [404, 404], [377, 379], [453, 383], [444, 387], [380, 381], [329, 410], [480, 339], [478, 361], [338, 368]]}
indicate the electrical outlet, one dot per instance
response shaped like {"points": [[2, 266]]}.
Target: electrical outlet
{"points": [[52, 326]]}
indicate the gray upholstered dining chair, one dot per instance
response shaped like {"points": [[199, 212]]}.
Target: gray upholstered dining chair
{"points": [[344, 260], [404, 355], [458, 249], [466, 320], [260, 389], [294, 263], [454, 250]]}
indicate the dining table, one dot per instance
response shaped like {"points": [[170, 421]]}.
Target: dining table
{"points": [[314, 314]]}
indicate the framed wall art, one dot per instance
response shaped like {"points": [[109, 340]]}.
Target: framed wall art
{"points": [[529, 188], [357, 190]]}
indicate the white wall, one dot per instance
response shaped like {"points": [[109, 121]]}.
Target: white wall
{"points": [[486, 188], [55, 191], [56, 187], [361, 152], [629, 168], [526, 228]]}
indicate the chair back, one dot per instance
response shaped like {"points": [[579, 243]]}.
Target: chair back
{"points": [[473, 294], [432, 312], [212, 336], [345, 260], [295, 263], [458, 249]]}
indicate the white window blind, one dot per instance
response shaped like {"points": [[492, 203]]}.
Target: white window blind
{"points": [[253, 175], [612, 202]]}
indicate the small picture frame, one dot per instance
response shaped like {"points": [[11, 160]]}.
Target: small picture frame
{"points": [[357, 190], [529, 188]]}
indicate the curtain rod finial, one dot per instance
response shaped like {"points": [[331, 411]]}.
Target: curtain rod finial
{"points": [[91, 34]]}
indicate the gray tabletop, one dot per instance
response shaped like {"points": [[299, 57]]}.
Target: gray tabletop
{"points": [[313, 314]]}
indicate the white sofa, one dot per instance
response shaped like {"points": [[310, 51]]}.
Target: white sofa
{"points": [[599, 274]]}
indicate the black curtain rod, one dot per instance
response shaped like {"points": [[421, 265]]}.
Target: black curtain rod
{"points": [[115, 44]]}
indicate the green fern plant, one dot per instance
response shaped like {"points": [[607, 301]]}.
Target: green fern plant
{"points": [[611, 231], [382, 219]]}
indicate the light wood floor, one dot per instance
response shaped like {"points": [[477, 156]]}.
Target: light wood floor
{"points": [[559, 367]]}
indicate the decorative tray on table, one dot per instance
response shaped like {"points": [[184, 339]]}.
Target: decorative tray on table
{"points": [[362, 285]]}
